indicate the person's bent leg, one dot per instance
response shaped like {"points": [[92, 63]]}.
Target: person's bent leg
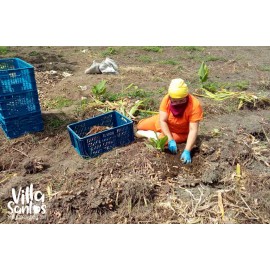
{"points": [[180, 138], [148, 123]]}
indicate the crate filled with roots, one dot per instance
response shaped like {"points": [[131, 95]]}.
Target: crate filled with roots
{"points": [[100, 134]]}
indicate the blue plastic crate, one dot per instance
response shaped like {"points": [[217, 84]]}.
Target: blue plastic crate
{"points": [[16, 76], [17, 126], [19, 104], [121, 133]]}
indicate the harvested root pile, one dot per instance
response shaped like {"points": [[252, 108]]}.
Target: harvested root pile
{"points": [[96, 129]]}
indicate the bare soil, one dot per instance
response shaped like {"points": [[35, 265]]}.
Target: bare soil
{"points": [[136, 183]]}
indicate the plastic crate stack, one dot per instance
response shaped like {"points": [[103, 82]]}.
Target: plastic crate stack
{"points": [[19, 105]]}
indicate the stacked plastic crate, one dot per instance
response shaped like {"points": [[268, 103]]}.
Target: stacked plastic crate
{"points": [[19, 105]]}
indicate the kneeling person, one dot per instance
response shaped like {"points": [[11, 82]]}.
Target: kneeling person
{"points": [[178, 118]]}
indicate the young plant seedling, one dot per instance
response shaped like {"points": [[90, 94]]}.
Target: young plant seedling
{"points": [[203, 73], [216, 132], [159, 144], [99, 89]]}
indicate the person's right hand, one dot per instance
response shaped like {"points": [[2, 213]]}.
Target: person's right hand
{"points": [[172, 146]]}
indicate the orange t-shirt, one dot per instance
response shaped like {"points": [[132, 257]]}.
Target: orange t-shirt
{"points": [[193, 113]]}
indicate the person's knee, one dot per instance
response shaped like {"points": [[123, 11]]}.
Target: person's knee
{"points": [[147, 124], [179, 138], [140, 124]]}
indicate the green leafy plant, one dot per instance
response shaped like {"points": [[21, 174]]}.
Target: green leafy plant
{"points": [[159, 144], [99, 89], [203, 72]]}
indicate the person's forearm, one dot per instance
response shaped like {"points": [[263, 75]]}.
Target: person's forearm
{"points": [[192, 136], [165, 130]]}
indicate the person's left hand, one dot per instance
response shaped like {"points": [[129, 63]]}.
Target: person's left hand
{"points": [[185, 157]]}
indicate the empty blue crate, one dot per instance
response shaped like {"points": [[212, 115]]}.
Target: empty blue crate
{"points": [[15, 127], [16, 76], [118, 132]]}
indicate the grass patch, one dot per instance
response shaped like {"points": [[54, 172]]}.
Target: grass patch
{"points": [[130, 92], [212, 58], [265, 68], [191, 48], [58, 103], [145, 59], [109, 51], [195, 57], [241, 85], [214, 86], [162, 90], [169, 62], [3, 50], [55, 122], [33, 53], [153, 49], [111, 96]]}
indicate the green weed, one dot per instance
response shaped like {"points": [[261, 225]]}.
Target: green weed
{"points": [[131, 91], [242, 85], [161, 90], [137, 93], [109, 51], [58, 103], [265, 68], [111, 96], [3, 50], [169, 62], [55, 123], [145, 59], [33, 53], [212, 58], [191, 48], [153, 49]]}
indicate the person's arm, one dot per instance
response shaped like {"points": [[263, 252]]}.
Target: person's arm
{"points": [[192, 135], [163, 118]]}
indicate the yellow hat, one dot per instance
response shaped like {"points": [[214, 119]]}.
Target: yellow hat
{"points": [[178, 89]]}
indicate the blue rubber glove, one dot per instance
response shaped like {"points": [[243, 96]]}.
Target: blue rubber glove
{"points": [[185, 157], [172, 146]]}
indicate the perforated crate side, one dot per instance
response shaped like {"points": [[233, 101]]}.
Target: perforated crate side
{"points": [[16, 76], [76, 142], [19, 104], [101, 142], [17, 126]]}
